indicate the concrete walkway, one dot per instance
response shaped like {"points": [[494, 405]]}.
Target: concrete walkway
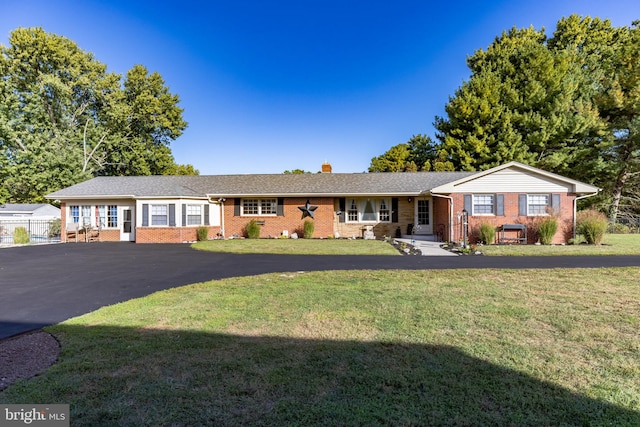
{"points": [[427, 248]]}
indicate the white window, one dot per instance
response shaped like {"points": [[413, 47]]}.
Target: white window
{"points": [[537, 204], [385, 212], [86, 215], [352, 212], [194, 214], [101, 215], [259, 207], [107, 216], [159, 215], [112, 216], [368, 210], [250, 207], [74, 213], [268, 206], [483, 204]]}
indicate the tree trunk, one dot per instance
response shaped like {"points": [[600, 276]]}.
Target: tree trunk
{"points": [[617, 194]]}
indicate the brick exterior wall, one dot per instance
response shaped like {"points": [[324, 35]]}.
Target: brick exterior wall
{"points": [[406, 216], [511, 216], [291, 221], [63, 220], [109, 235], [441, 218], [327, 222]]}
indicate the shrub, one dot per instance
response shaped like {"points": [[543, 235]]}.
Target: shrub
{"points": [[20, 236], [203, 233], [54, 228], [487, 233], [309, 227], [591, 225], [253, 229], [618, 228], [547, 228]]}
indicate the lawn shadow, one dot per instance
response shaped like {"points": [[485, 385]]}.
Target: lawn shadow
{"points": [[125, 376]]}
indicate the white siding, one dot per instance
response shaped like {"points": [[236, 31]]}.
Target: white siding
{"points": [[214, 209], [513, 181], [214, 214]]}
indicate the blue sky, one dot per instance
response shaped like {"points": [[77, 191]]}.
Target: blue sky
{"points": [[269, 86]]}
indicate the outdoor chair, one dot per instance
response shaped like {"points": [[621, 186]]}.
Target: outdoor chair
{"points": [[93, 235], [73, 229]]}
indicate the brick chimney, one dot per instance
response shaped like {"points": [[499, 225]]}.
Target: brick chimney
{"points": [[326, 168]]}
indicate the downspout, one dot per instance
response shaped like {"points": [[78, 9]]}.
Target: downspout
{"points": [[575, 209], [450, 213], [221, 204]]}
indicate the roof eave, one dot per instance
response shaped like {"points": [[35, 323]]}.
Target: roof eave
{"points": [[363, 194], [53, 196]]}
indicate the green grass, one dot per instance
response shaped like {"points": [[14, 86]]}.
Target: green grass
{"points": [[463, 347], [299, 246], [613, 244]]}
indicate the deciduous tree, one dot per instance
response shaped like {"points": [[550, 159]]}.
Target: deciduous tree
{"points": [[64, 118]]}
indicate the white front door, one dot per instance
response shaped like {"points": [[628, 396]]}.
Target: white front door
{"points": [[128, 225], [423, 215]]}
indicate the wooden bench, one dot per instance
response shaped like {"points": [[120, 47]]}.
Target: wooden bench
{"points": [[520, 233]]}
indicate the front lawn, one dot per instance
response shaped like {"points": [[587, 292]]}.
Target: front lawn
{"points": [[613, 244], [463, 347], [299, 246]]}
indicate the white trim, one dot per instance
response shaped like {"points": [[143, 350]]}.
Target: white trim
{"points": [[259, 201], [473, 205], [361, 203], [422, 228], [577, 186], [546, 205]]}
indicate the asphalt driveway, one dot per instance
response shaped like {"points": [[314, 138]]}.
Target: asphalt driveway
{"points": [[44, 285]]}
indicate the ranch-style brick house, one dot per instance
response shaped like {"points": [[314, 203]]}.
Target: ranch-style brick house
{"points": [[429, 205]]}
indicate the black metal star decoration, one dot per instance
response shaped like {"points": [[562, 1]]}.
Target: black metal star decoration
{"points": [[307, 210]]}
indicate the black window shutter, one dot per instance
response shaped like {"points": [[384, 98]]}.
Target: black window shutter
{"points": [[206, 214], [172, 215], [280, 208], [236, 207], [555, 202], [500, 204], [184, 215], [468, 204], [394, 209], [145, 215], [342, 205], [522, 204]]}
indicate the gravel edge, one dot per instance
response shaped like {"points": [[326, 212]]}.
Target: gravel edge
{"points": [[26, 355]]}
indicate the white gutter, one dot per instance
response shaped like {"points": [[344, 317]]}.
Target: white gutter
{"points": [[450, 213], [575, 209], [221, 203]]}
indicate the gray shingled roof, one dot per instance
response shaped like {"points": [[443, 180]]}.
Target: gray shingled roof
{"points": [[325, 184], [21, 207]]}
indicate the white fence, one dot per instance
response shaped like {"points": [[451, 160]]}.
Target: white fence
{"points": [[38, 230]]}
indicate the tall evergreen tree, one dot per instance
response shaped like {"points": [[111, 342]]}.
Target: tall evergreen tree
{"points": [[612, 57], [523, 102]]}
